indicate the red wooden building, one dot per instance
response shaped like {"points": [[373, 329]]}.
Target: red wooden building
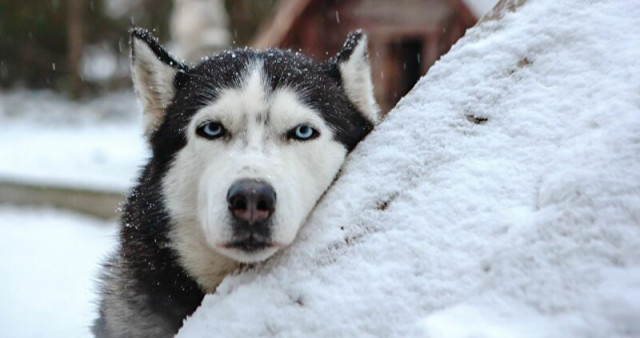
{"points": [[405, 36]]}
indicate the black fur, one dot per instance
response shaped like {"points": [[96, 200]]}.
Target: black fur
{"points": [[155, 46], [145, 268], [348, 47]]}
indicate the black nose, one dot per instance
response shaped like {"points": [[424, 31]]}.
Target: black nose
{"points": [[251, 200]]}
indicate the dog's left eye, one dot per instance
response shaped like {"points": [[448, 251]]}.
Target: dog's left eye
{"points": [[303, 132], [210, 130]]}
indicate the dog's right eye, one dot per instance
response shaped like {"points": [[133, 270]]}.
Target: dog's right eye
{"points": [[211, 130]]}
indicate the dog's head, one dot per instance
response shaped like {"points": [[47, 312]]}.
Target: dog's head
{"points": [[247, 141]]}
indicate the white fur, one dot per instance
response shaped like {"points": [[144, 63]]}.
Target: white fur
{"points": [[153, 81], [197, 183], [356, 78]]}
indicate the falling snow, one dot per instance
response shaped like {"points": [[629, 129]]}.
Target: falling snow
{"points": [[499, 199]]}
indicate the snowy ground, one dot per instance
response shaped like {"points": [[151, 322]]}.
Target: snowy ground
{"points": [[49, 259], [500, 199], [45, 139]]}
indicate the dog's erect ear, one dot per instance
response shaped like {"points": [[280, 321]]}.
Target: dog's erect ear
{"points": [[153, 72], [355, 73]]}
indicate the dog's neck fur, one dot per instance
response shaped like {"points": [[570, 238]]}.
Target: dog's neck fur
{"points": [[205, 265], [148, 254], [147, 290]]}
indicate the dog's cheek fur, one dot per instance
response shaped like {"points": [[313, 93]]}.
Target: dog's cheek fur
{"points": [[317, 164], [307, 167], [182, 191]]}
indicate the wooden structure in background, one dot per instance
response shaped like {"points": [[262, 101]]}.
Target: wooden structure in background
{"points": [[93, 202], [406, 37]]}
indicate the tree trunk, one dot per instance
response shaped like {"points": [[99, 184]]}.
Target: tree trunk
{"points": [[76, 43]]}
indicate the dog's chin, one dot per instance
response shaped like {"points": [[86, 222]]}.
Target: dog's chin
{"points": [[247, 252]]}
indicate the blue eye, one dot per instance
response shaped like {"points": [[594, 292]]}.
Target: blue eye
{"points": [[303, 133], [211, 130]]}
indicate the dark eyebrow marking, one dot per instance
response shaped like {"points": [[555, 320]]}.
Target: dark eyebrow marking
{"points": [[263, 117]]}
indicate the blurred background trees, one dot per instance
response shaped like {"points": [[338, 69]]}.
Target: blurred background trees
{"points": [[80, 47]]}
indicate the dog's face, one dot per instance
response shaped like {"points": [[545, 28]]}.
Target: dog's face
{"points": [[247, 142]]}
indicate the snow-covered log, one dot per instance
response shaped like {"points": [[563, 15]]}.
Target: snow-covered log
{"points": [[501, 198]]}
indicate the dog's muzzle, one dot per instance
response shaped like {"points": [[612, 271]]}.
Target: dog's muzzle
{"points": [[251, 203]]}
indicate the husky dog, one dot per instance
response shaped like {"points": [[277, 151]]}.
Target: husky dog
{"points": [[243, 146]]}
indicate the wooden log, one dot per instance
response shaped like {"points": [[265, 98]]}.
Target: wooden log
{"points": [[96, 203]]}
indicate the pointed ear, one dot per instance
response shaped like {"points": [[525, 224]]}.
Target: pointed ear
{"points": [[355, 73], [153, 72]]}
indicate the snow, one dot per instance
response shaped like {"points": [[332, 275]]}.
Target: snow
{"points": [[48, 140], [49, 260], [501, 198]]}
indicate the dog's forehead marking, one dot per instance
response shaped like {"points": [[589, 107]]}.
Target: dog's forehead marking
{"points": [[255, 103], [253, 90], [262, 117], [253, 111]]}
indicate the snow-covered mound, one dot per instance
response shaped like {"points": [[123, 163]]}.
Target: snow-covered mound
{"points": [[501, 198]]}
